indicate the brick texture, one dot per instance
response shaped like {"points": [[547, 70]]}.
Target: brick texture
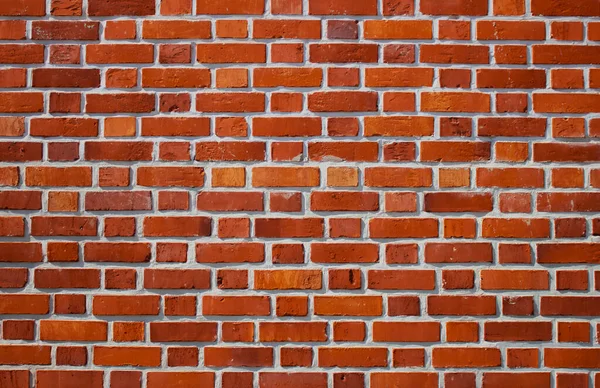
{"points": [[299, 193]]}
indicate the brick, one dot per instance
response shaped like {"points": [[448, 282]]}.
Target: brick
{"points": [[180, 379], [454, 29], [344, 201], [120, 103], [556, 103], [65, 30], [215, 7], [352, 357], [303, 380], [292, 306], [64, 226], [403, 228], [574, 332], [286, 29], [448, 53], [230, 53], [509, 7], [343, 53], [286, 7], [398, 177], [25, 304], [502, 379], [338, 7], [229, 177], [455, 78], [230, 253], [461, 305], [287, 280], [398, 29], [342, 29], [461, 7], [116, 252], [568, 305], [564, 8], [116, 54], [120, 30], [183, 331], [236, 305], [455, 102], [570, 358], [293, 332], [15, 102], [127, 356], [177, 226], [176, 279], [231, 201], [517, 127], [514, 280], [65, 54], [515, 228], [515, 203], [555, 202], [24, 8], [518, 331], [175, 78], [71, 355], [398, 77], [465, 357], [238, 331], [122, 379], [67, 278], [232, 78], [174, 29], [174, 53], [70, 304], [427, 380], [348, 305], [55, 330], [238, 356], [14, 278], [462, 331], [180, 306], [48, 378], [13, 78], [401, 280], [510, 30], [171, 176], [399, 126], [458, 202], [21, 54], [563, 54], [349, 331], [406, 331], [232, 28], [128, 8], [125, 305], [120, 279], [128, 331], [458, 252], [182, 356], [344, 253]]}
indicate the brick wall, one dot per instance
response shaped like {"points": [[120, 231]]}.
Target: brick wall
{"points": [[299, 193]]}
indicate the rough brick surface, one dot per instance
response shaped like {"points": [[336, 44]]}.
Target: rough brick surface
{"points": [[299, 193]]}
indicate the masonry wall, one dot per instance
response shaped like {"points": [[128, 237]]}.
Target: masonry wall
{"points": [[299, 193]]}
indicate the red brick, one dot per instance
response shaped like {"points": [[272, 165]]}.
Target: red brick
{"points": [[72, 378], [340, 7], [460, 7]]}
